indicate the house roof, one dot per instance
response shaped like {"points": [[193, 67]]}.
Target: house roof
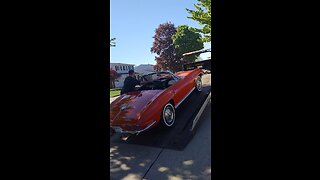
{"points": [[144, 68], [123, 64]]}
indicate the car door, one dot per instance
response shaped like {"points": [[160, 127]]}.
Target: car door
{"points": [[191, 80], [180, 89]]}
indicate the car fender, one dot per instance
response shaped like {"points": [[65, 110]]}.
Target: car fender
{"points": [[152, 111]]}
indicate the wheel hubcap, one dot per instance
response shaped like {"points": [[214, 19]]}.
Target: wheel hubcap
{"points": [[199, 84], [169, 115]]}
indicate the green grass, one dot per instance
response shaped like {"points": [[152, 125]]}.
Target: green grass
{"points": [[114, 92]]}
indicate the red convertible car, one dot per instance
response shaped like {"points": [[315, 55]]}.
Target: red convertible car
{"points": [[154, 102]]}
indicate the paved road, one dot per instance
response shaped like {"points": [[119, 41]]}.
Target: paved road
{"points": [[129, 161]]}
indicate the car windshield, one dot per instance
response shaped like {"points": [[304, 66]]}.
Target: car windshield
{"points": [[157, 81]]}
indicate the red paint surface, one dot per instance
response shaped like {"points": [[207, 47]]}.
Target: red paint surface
{"points": [[144, 107]]}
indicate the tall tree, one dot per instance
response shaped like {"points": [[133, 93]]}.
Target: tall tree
{"points": [[112, 42], [113, 76], [186, 40], [163, 46], [157, 67], [202, 15]]}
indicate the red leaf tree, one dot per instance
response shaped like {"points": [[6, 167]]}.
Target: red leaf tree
{"points": [[163, 46], [113, 76], [157, 67]]}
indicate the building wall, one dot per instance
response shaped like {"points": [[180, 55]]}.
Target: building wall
{"points": [[119, 82], [122, 69]]}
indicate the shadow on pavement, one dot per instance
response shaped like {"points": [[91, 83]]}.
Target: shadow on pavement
{"points": [[179, 135]]}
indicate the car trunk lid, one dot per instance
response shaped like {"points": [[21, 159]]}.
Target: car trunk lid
{"points": [[127, 107]]}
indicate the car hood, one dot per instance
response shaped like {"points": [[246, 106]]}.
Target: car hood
{"points": [[128, 107]]}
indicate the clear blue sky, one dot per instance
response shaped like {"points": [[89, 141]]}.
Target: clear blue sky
{"points": [[133, 24]]}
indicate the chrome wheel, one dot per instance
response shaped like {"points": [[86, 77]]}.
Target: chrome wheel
{"points": [[199, 84], [168, 115]]}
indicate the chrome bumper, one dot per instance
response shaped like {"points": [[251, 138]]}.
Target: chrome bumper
{"points": [[119, 130]]}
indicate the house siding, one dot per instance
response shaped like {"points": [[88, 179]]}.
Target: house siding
{"points": [[121, 68]]}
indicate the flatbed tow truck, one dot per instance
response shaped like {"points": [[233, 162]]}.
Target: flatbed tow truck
{"points": [[187, 116]]}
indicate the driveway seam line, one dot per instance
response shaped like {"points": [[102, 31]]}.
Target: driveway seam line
{"points": [[152, 163]]}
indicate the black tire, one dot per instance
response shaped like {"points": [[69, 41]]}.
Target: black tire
{"points": [[198, 84], [168, 115], [112, 132]]}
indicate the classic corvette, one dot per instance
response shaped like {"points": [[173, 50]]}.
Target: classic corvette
{"points": [[154, 102]]}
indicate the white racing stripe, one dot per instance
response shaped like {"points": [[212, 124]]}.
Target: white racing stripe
{"points": [[184, 97]]}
